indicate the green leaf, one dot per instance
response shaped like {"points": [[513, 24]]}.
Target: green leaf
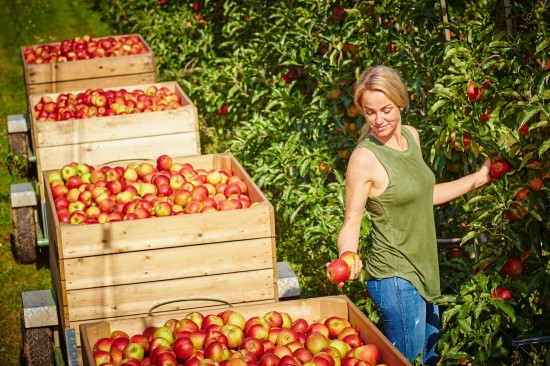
{"points": [[479, 308], [544, 146], [541, 46], [437, 105], [470, 235], [465, 325], [508, 309], [441, 90], [528, 113]]}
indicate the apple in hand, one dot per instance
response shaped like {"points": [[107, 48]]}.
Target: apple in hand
{"points": [[338, 271]]}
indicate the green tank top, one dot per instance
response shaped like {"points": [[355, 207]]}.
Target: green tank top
{"points": [[403, 236]]}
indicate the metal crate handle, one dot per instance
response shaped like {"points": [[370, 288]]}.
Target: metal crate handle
{"points": [[188, 299]]}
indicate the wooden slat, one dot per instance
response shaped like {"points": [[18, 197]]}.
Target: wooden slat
{"points": [[97, 82], [122, 127], [173, 231], [105, 152], [98, 303], [159, 264]]}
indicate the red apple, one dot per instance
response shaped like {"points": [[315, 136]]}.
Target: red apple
{"points": [[74, 181], [269, 359], [369, 353], [499, 168], [258, 331], [101, 357], [164, 162], [318, 326], [184, 348], [285, 336], [354, 340], [335, 325], [300, 325], [120, 343], [316, 341], [214, 336], [103, 344], [211, 319], [274, 318], [338, 271], [290, 360], [217, 351], [234, 335], [502, 293], [253, 345]]}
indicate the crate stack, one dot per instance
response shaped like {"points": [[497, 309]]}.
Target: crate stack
{"points": [[119, 270]]}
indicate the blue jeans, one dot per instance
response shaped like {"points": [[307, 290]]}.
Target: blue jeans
{"points": [[410, 322]]}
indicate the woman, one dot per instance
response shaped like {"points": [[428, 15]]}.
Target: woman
{"points": [[386, 172]]}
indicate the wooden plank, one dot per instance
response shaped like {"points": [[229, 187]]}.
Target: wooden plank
{"points": [[127, 236], [157, 265], [97, 82], [99, 303], [99, 67], [123, 150]]}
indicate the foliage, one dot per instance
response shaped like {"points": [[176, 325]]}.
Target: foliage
{"points": [[273, 83]]}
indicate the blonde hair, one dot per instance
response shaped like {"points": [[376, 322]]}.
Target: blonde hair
{"points": [[384, 79]]}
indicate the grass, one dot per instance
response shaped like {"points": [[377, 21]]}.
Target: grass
{"points": [[26, 22]]}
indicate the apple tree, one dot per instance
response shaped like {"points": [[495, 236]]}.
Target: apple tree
{"points": [[273, 84]]}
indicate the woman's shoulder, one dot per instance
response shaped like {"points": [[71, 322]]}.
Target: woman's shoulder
{"points": [[362, 155], [414, 133]]}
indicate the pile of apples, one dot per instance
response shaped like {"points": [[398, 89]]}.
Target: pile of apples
{"points": [[98, 103], [85, 195], [229, 339], [84, 48]]}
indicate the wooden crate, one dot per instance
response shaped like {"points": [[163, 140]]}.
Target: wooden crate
{"points": [[122, 269], [102, 140], [309, 309], [93, 73]]}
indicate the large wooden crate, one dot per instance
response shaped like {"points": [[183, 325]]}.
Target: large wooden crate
{"points": [[101, 140], [92, 73], [122, 269], [309, 309]]}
